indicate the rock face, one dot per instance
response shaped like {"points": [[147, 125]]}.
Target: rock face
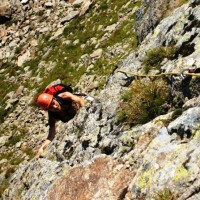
{"points": [[10, 10], [138, 162], [151, 13], [102, 179], [30, 174], [5, 11]]}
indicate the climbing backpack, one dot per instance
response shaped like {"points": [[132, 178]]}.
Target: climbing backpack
{"points": [[57, 89]]}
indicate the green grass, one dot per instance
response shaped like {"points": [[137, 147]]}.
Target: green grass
{"points": [[16, 161], [7, 155], [121, 34], [154, 57], [6, 87], [143, 102], [19, 134], [8, 172], [14, 140], [11, 165], [29, 151]]}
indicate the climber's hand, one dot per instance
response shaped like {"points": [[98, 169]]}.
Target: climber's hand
{"points": [[40, 151]]}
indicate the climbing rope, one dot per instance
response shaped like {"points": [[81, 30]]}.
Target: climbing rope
{"points": [[182, 73]]}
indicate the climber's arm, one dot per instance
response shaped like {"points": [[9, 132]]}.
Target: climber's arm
{"points": [[51, 135], [75, 98]]}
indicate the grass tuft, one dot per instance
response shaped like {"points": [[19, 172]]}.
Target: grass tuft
{"points": [[165, 194], [154, 57], [143, 102]]}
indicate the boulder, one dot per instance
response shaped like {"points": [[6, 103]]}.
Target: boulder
{"points": [[5, 11], [104, 178], [23, 58], [69, 17], [85, 6]]}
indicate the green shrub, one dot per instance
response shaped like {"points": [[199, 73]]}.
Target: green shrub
{"points": [[143, 102], [155, 56]]}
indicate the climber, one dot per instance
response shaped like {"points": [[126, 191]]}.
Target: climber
{"points": [[60, 106], [193, 69]]}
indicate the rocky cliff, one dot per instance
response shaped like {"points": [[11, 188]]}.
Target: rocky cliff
{"points": [[95, 155]]}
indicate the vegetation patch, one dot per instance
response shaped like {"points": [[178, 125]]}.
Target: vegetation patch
{"points": [[196, 131], [5, 183], [146, 179], [154, 57], [165, 194], [143, 101], [169, 6], [14, 140], [20, 133], [7, 172], [9, 70], [29, 152], [10, 166], [66, 54], [122, 33], [181, 174], [178, 112]]}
